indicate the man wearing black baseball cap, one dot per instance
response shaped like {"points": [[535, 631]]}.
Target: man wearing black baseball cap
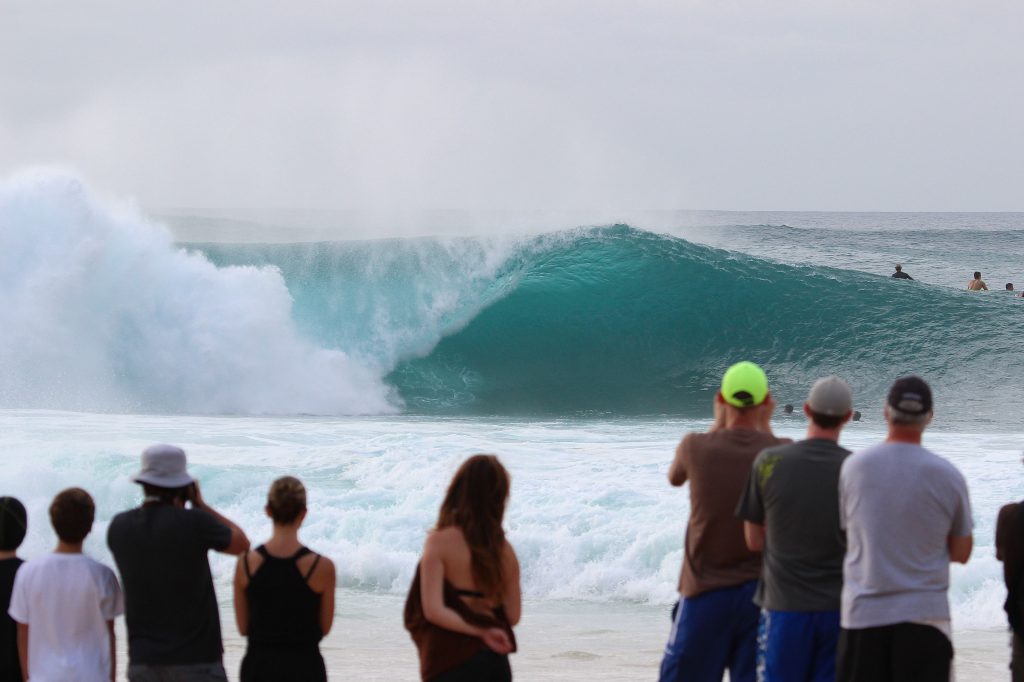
{"points": [[907, 515]]}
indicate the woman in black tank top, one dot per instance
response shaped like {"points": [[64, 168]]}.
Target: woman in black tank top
{"points": [[284, 596]]}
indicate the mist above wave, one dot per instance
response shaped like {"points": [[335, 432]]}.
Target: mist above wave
{"points": [[101, 311]]}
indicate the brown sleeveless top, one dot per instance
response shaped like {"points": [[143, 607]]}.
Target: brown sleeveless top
{"points": [[440, 649]]}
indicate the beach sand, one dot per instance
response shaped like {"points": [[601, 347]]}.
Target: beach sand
{"points": [[558, 641]]}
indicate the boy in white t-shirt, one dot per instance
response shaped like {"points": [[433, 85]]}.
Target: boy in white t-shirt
{"points": [[65, 603]]}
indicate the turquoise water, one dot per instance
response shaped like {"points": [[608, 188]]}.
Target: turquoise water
{"points": [[621, 321]]}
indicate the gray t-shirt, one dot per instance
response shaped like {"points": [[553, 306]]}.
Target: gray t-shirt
{"points": [[899, 504], [794, 491]]}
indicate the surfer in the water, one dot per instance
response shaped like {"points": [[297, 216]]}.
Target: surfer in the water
{"points": [[899, 274], [977, 284]]}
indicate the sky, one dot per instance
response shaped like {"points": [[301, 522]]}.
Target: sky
{"points": [[491, 105]]}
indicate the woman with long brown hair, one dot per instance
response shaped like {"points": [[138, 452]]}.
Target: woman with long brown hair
{"points": [[465, 597]]}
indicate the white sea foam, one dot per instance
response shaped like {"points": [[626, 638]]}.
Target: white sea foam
{"points": [[591, 515], [99, 310]]}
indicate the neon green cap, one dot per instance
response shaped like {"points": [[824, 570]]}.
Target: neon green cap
{"points": [[744, 385]]}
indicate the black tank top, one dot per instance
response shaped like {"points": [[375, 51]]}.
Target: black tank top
{"points": [[283, 609]]}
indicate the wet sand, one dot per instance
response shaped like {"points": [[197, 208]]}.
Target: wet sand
{"points": [[558, 641]]}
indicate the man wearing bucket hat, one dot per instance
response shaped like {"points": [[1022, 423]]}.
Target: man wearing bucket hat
{"points": [[714, 623], [161, 551], [790, 511]]}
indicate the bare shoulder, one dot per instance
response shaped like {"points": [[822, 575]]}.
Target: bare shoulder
{"points": [[508, 554], [253, 560], [445, 537], [321, 571]]}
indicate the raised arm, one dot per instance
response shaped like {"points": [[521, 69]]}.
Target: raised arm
{"points": [[677, 471], [239, 542]]}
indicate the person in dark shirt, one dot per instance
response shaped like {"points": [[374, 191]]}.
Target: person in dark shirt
{"points": [[1010, 550], [13, 525], [161, 552], [899, 274], [284, 596], [790, 511]]}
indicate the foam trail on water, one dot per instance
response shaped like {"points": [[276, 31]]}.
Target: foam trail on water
{"points": [[100, 311]]}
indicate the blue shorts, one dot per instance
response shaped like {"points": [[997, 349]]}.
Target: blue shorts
{"points": [[797, 646], [711, 633]]}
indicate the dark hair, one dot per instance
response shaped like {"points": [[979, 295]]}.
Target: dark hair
{"points": [[286, 499], [72, 513], [826, 421], [13, 523], [475, 502], [1009, 286], [977, 275], [166, 495]]}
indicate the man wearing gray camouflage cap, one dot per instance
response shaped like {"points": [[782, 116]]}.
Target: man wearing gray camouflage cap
{"points": [[790, 511]]}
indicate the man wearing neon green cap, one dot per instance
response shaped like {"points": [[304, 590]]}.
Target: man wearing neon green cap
{"points": [[714, 624]]}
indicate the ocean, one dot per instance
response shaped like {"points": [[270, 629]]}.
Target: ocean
{"points": [[579, 353]]}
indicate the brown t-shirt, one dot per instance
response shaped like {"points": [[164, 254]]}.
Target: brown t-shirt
{"points": [[717, 466]]}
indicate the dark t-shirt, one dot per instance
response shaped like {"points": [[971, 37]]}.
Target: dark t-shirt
{"points": [[794, 491], [10, 666], [717, 466], [170, 607], [901, 275], [1010, 548]]}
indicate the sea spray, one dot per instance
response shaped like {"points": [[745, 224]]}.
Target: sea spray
{"points": [[99, 310]]}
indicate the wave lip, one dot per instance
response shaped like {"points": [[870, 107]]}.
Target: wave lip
{"points": [[621, 321], [101, 311]]}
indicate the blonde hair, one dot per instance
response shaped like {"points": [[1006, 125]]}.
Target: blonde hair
{"points": [[286, 499]]}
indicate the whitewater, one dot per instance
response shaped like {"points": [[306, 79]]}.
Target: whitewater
{"points": [[371, 368]]}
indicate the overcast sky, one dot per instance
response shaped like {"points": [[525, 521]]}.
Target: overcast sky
{"points": [[775, 105]]}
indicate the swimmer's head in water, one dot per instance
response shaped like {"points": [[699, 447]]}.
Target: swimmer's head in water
{"points": [[1009, 286], [856, 415], [977, 275], [788, 409], [899, 267], [744, 385]]}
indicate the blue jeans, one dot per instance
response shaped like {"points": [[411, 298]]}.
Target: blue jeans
{"points": [[797, 646], [711, 633]]}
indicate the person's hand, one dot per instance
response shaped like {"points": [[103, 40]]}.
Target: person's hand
{"points": [[195, 496], [497, 640]]}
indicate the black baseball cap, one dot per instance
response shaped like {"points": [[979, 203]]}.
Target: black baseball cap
{"points": [[910, 395]]}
